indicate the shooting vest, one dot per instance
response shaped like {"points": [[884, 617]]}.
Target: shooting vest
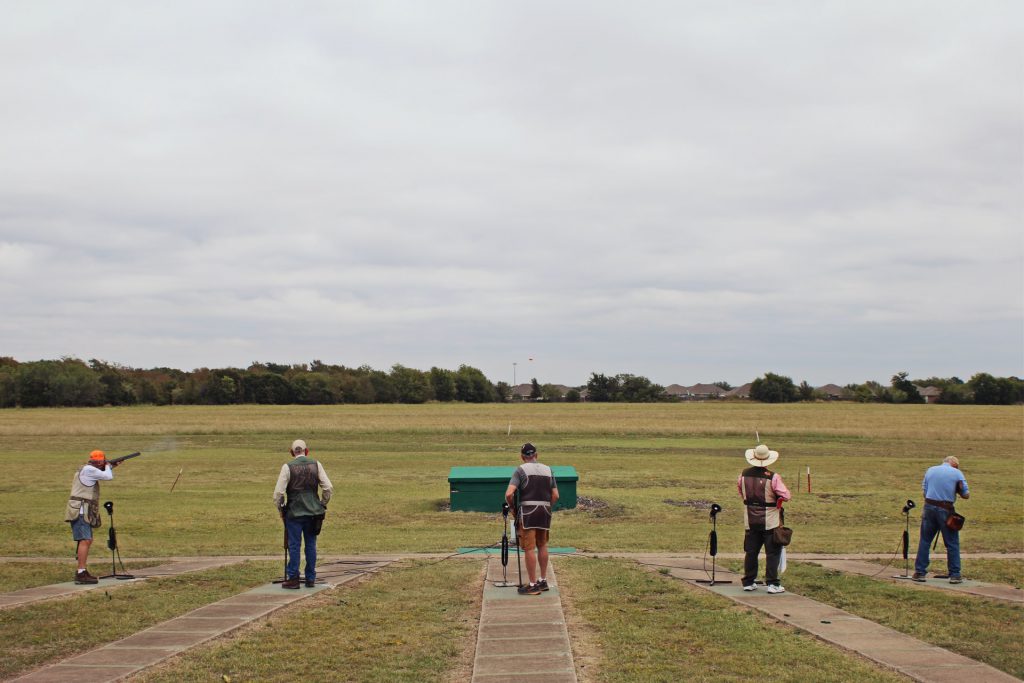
{"points": [[535, 485], [758, 496], [83, 495], [303, 480]]}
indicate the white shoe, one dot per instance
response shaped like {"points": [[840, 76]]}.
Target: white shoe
{"points": [[776, 589], [751, 587]]}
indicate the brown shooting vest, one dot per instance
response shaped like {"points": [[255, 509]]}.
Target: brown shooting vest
{"points": [[759, 498]]}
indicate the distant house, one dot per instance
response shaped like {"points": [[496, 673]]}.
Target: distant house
{"points": [[702, 392], [834, 392], [698, 392], [521, 392], [738, 392], [675, 391], [929, 394]]}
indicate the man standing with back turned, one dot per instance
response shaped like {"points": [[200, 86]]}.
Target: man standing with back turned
{"points": [[304, 511], [538, 493], [763, 493], [942, 483]]}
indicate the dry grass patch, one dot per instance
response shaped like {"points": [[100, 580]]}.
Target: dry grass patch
{"points": [[650, 628], [408, 623]]}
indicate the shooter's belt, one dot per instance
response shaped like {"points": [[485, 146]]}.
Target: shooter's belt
{"points": [[946, 505]]}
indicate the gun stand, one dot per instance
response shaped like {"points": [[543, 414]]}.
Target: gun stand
{"points": [[115, 554], [713, 550], [906, 545], [504, 583], [285, 570]]}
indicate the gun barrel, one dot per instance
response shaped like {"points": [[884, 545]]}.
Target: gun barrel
{"points": [[125, 457]]}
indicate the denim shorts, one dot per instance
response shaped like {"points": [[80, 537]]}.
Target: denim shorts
{"points": [[80, 529]]}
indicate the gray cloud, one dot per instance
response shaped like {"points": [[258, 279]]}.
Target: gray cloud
{"points": [[688, 191]]}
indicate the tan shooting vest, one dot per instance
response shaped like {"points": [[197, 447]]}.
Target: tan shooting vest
{"points": [[83, 495]]}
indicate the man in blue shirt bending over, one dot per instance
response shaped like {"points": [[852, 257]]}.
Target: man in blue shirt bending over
{"points": [[942, 484]]}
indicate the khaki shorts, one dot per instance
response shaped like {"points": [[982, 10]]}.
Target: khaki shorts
{"points": [[531, 538]]}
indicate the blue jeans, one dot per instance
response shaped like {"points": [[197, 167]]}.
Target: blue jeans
{"points": [[933, 521], [299, 529]]}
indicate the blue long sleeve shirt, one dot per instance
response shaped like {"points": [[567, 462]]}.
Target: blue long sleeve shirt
{"points": [[940, 483]]}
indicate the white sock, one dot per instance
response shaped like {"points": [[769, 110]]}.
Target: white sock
{"points": [[81, 571]]}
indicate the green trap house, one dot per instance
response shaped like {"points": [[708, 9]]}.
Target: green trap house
{"points": [[482, 489]]}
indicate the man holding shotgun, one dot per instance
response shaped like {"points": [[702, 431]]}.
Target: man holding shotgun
{"points": [[83, 508]]}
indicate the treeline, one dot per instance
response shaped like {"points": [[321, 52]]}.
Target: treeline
{"points": [[981, 389], [72, 382]]}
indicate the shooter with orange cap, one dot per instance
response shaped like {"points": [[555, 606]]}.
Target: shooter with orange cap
{"points": [[83, 510]]}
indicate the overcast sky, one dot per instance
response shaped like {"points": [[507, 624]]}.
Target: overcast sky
{"points": [[690, 191]]}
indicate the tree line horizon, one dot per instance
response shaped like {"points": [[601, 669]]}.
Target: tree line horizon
{"points": [[72, 382]]}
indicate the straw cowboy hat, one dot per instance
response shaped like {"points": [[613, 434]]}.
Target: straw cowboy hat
{"points": [[761, 456]]}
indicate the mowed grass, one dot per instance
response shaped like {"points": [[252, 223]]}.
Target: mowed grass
{"points": [[989, 631], [40, 633], [414, 623], [648, 463], [640, 626]]}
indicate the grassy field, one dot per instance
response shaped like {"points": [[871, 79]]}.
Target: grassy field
{"points": [[640, 626], [649, 464]]}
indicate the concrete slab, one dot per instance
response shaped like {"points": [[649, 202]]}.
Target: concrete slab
{"points": [[521, 630], [513, 646], [513, 663], [552, 629], [123, 656], [208, 624], [535, 677], [178, 640], [245, 611]]}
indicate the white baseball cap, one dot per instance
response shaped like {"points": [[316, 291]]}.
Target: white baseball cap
{"points": [[298, 446]]}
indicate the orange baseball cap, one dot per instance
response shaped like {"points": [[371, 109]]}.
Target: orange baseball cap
{"points": [[97, 455]]}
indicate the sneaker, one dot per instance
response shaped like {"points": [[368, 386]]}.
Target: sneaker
{"points": [[543, 585], [918, 576], [291, 583], [529, 590], [751, 587], [956, 579], [85, 577], [310, 583], [776, 589]]}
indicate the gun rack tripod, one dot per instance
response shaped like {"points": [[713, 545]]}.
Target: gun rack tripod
{"points": [[112, 544]]}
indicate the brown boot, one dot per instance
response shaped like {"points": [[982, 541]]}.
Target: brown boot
{"points": [[291, 583], [85, 577]]}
